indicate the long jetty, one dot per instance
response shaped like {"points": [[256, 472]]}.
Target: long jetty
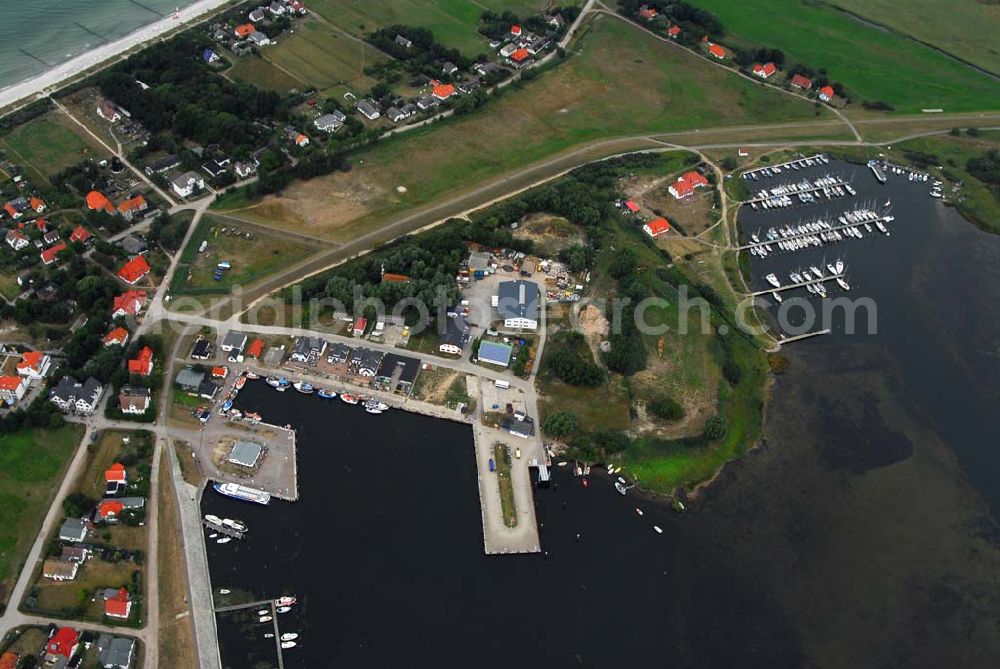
{"points": [[793, 286], [803, 235], [792, 193]]}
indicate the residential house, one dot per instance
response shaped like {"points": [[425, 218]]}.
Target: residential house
{"points": [[98, 201], [687, 183], [443, 91], [400, 370], [517, 304], [257, 38], [427, 102], [115, 478], [72, 396], [308, 349], [338, 353], [256, 16], [524, 427], [455, 336], [9, 660], [73, 530], [117, 603], [37, 204], [189, 379], [50, 254], [330, 122], [116, 652], [365, 362], [215, 167], [220, 372], [164, 164], [449, 68], [632, 207], [185, 184], [656, 227], [50, 237], [673, 31], [233, 341], [60, 648], [110, 510], [133, 270], [59, 570], [107, 111], [74, 554], [12, 389], [16, 240], [134, 245], [647, 13], [209, 56], [798, 81], [515, 30], [244, 30], [764, 71], [395, 114], [208, 390], [117, 337], [244, 169], [202, 349], [486, 68], [276, 8], [716, 51], [360, 325], [255, 348], [519, 58], [298, 138], [826, 93], [79, 235], [403, 42], [132, 206], [143, 363], [369, 108], [34, 365], [129, 303]]}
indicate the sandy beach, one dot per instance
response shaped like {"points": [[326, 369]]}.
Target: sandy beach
{"points": [[57, 76]]}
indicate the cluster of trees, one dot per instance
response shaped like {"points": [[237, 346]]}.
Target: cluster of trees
{"points": [[627, 352], [39, 414], [986, 168], [560, 423], [695, 22], [569, 360], [747, 57], [666, 408], [424, 56], [168, 231], [186, 98]]}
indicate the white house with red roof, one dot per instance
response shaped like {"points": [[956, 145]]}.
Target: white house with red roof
{"points": [[34, 365], [12, 389], [657, 227], [686, 184], [79, 234], [798, 81], [117, 604], [826, 93], [717, 51], [143, 363], [764, 71], [133, 270], [116, 474], [49, 254], [515, 30], [631, 206], [118, 336], [359, 326], [443, 91], [61, 647], [129, 303]]}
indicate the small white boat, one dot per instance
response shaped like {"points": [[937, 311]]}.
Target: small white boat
{"points": [[285, 645], [773, 280], [561, 464], [776, 295], [283, 609], [657, 528], [374, 410], [224, 591], [289, 636], [285, 601], [843, 284], [265, 619], [620, 488], [213, 535], [223, 540], [638, 510], [263, 612], [213, 519], [611, 469], [269, 635]]}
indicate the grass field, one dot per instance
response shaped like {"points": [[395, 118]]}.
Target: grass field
{"points": [[873, 64], [964, 28], [260, 73], [48, 144], [324, 58], [63, 598], [8, 285], [251, 258], [176, 633], [30, 464], [453, 22], [622, 83]]}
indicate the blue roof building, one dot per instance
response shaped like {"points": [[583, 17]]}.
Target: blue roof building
{"points": [[495, 353]]}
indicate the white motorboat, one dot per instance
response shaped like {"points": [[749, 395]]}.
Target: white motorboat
{"points": [[269, 635], [843, 284], [817, 271], [263, 612], [285, 645], [832, 268], [773, 280], [215, 520], [289, 636], [620, 488], [224, 591], [283, 609], [265, 619], [285, 601], [840, 266], [638, 510], [658, 529], [223, 540], [776, 295], [213, 535]]}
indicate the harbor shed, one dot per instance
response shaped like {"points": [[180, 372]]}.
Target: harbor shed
{"points": [[495, 353], [189, 379], [245, 454]]}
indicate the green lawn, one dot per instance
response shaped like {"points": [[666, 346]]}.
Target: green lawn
{"points": [[453, 22], [30, 464], [622, 83], [8, 285], [262, 74], [251, 258], [964, 28], [324, 58], [873, 64], [48, 144]]}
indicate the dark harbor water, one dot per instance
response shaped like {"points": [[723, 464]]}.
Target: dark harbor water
{"points": [[858, 535]]}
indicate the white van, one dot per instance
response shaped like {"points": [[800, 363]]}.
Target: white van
{"points": [[500, 383]]}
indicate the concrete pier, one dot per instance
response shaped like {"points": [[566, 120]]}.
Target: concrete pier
{"points": [[497, 537]]}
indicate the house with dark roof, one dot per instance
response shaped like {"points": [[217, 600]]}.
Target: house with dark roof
{"points": [[330, 122], [365, 361], [398, 371], [517, 304], [72, 396], [115, 652], [338, 353], [164, 164], [202, 350], [455, 336], [73, 530], [189, 379], [369, 108], [523, 428], [233, 341], [134, 400], [308, 349]]}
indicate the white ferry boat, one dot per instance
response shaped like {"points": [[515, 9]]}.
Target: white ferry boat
{"points": [[242, 492]]}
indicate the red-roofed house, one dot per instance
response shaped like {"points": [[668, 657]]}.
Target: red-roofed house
{"points": [[220, 372], [798, 81], [656, 227], [118, 336], [97, 200], [133, 270], [11, 211], [717, 51], [631, 206], [33, 365], [647, 13], [38, 204], [255, 349], [115, 474], [62, 644], [515, 30], [143, 364], [359, 326], [49, 254], [686, 183], [118, 605], [79, 234], [674, 31], [244, 30], [519, 58], [129, 208], [41, 224], [9, 660], [764, 71], [129, 303], [742, 153], [109, 510], [12, 388], [826, 93], [443, 91]]}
